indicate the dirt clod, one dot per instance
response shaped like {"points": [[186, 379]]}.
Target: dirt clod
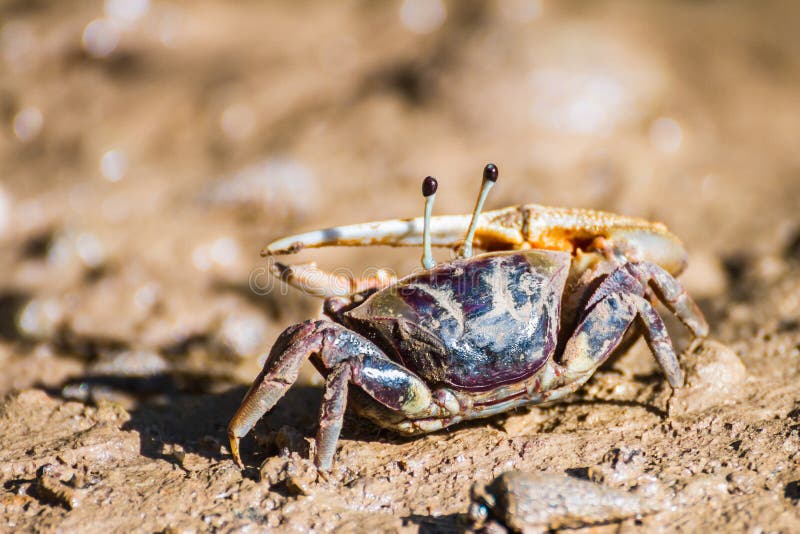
{"points": [[51, 488], [714, 375]]}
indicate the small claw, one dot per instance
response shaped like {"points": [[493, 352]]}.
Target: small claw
{"points": [[312, 280]]}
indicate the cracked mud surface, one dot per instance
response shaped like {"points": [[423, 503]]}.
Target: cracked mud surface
{"points": [[133, 311]]}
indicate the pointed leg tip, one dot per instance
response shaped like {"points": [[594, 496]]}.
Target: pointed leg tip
{"points": [[702, 329], [677, 381], [324, 468], [234, 441]]}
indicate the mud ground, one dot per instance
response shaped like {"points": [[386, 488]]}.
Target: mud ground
{"points": [[148, 151]]}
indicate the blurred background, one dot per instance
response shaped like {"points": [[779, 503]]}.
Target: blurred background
{"points": [[149, 149]]}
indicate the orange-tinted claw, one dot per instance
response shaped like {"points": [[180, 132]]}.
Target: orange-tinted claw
{"points": [[511, 228]]}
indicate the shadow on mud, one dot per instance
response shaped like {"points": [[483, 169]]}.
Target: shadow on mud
{"points": [[436, 524], [176, 410], [169, 409], [11, 304], [195, 423]]}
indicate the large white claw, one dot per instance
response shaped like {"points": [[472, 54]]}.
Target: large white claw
{"points": [[516, 227]]}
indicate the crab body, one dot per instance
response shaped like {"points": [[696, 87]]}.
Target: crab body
{"points": [[525, 323], [472, 324], [468, 339]]}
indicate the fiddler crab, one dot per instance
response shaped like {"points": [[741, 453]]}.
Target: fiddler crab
{"points": [[556, 292]]}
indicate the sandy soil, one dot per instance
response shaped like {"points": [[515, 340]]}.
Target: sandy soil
{"points": [[146, 156]]}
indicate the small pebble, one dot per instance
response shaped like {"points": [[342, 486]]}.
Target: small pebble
{"points": [[714, 374]]}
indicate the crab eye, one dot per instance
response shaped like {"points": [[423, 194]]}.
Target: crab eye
{"points": [[490, 172], [429, 186]]}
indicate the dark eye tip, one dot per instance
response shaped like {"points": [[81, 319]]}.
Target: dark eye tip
{"points": [[490, 172], [429, 186]]}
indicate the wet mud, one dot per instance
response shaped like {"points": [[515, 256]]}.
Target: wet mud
{"points": [[148, 150]]}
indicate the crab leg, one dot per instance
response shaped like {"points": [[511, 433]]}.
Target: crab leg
{"points": [[657, 338], [331, 414], [675, 298], [611, 310], [344, 357], [603, 329], [280, 372], [516, 227]]}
